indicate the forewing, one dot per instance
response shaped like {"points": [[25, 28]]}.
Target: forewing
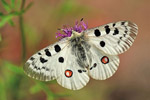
{"points": [[113, 38], [44, 65], [102, 65]]}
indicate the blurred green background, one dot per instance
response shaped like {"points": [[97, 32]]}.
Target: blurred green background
{"points": [[27, 26]]}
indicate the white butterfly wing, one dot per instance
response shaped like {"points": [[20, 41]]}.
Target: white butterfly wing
{"points": [[44, 64], [114, 38], [102, 65], [74, 76], [57, 62]]}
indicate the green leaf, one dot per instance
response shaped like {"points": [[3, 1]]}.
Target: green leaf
{"points": [[13, 68], [1, 14], [34, 89], [11, 23], [3, 93], [6, 5], [7, 18], [12, 3], [18, 4]]}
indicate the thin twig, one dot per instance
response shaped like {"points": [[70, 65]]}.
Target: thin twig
{"points": [[22, 32]]}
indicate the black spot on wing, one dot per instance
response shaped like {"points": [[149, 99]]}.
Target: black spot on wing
{"points": [[102, 43], [80, 71], [61, 59], [114, 24], [47, 52], [32, 58], [94, 65], [126, 31], [116, 31], [122, 23], [35, 67], [124, 35], [107, 29], [91, 68], [57, 48], [39, 53], [43, 60], [38, 69], [97, 32]]}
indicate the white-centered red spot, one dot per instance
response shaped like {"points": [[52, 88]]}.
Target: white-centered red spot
{"points": [[68, 73], [104, 59]]}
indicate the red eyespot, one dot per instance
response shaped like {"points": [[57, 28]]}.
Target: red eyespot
{"points": [[68, 73], [104, 59]]}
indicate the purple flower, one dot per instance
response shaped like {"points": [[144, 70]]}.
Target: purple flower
{"points": [[67, 30]]}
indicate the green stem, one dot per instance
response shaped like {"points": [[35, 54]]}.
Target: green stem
{"points": [[22, 33]]}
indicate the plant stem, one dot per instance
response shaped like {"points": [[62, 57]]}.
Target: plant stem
{"points": [[22, 33]]}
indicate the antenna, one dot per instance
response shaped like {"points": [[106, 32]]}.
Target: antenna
{"points": [[81, 19]]}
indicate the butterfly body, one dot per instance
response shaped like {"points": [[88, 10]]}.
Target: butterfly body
{"points": [[83, 53], [80, 48]]}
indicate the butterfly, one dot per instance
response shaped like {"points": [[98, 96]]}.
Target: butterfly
{"points": [[82, 53]]}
